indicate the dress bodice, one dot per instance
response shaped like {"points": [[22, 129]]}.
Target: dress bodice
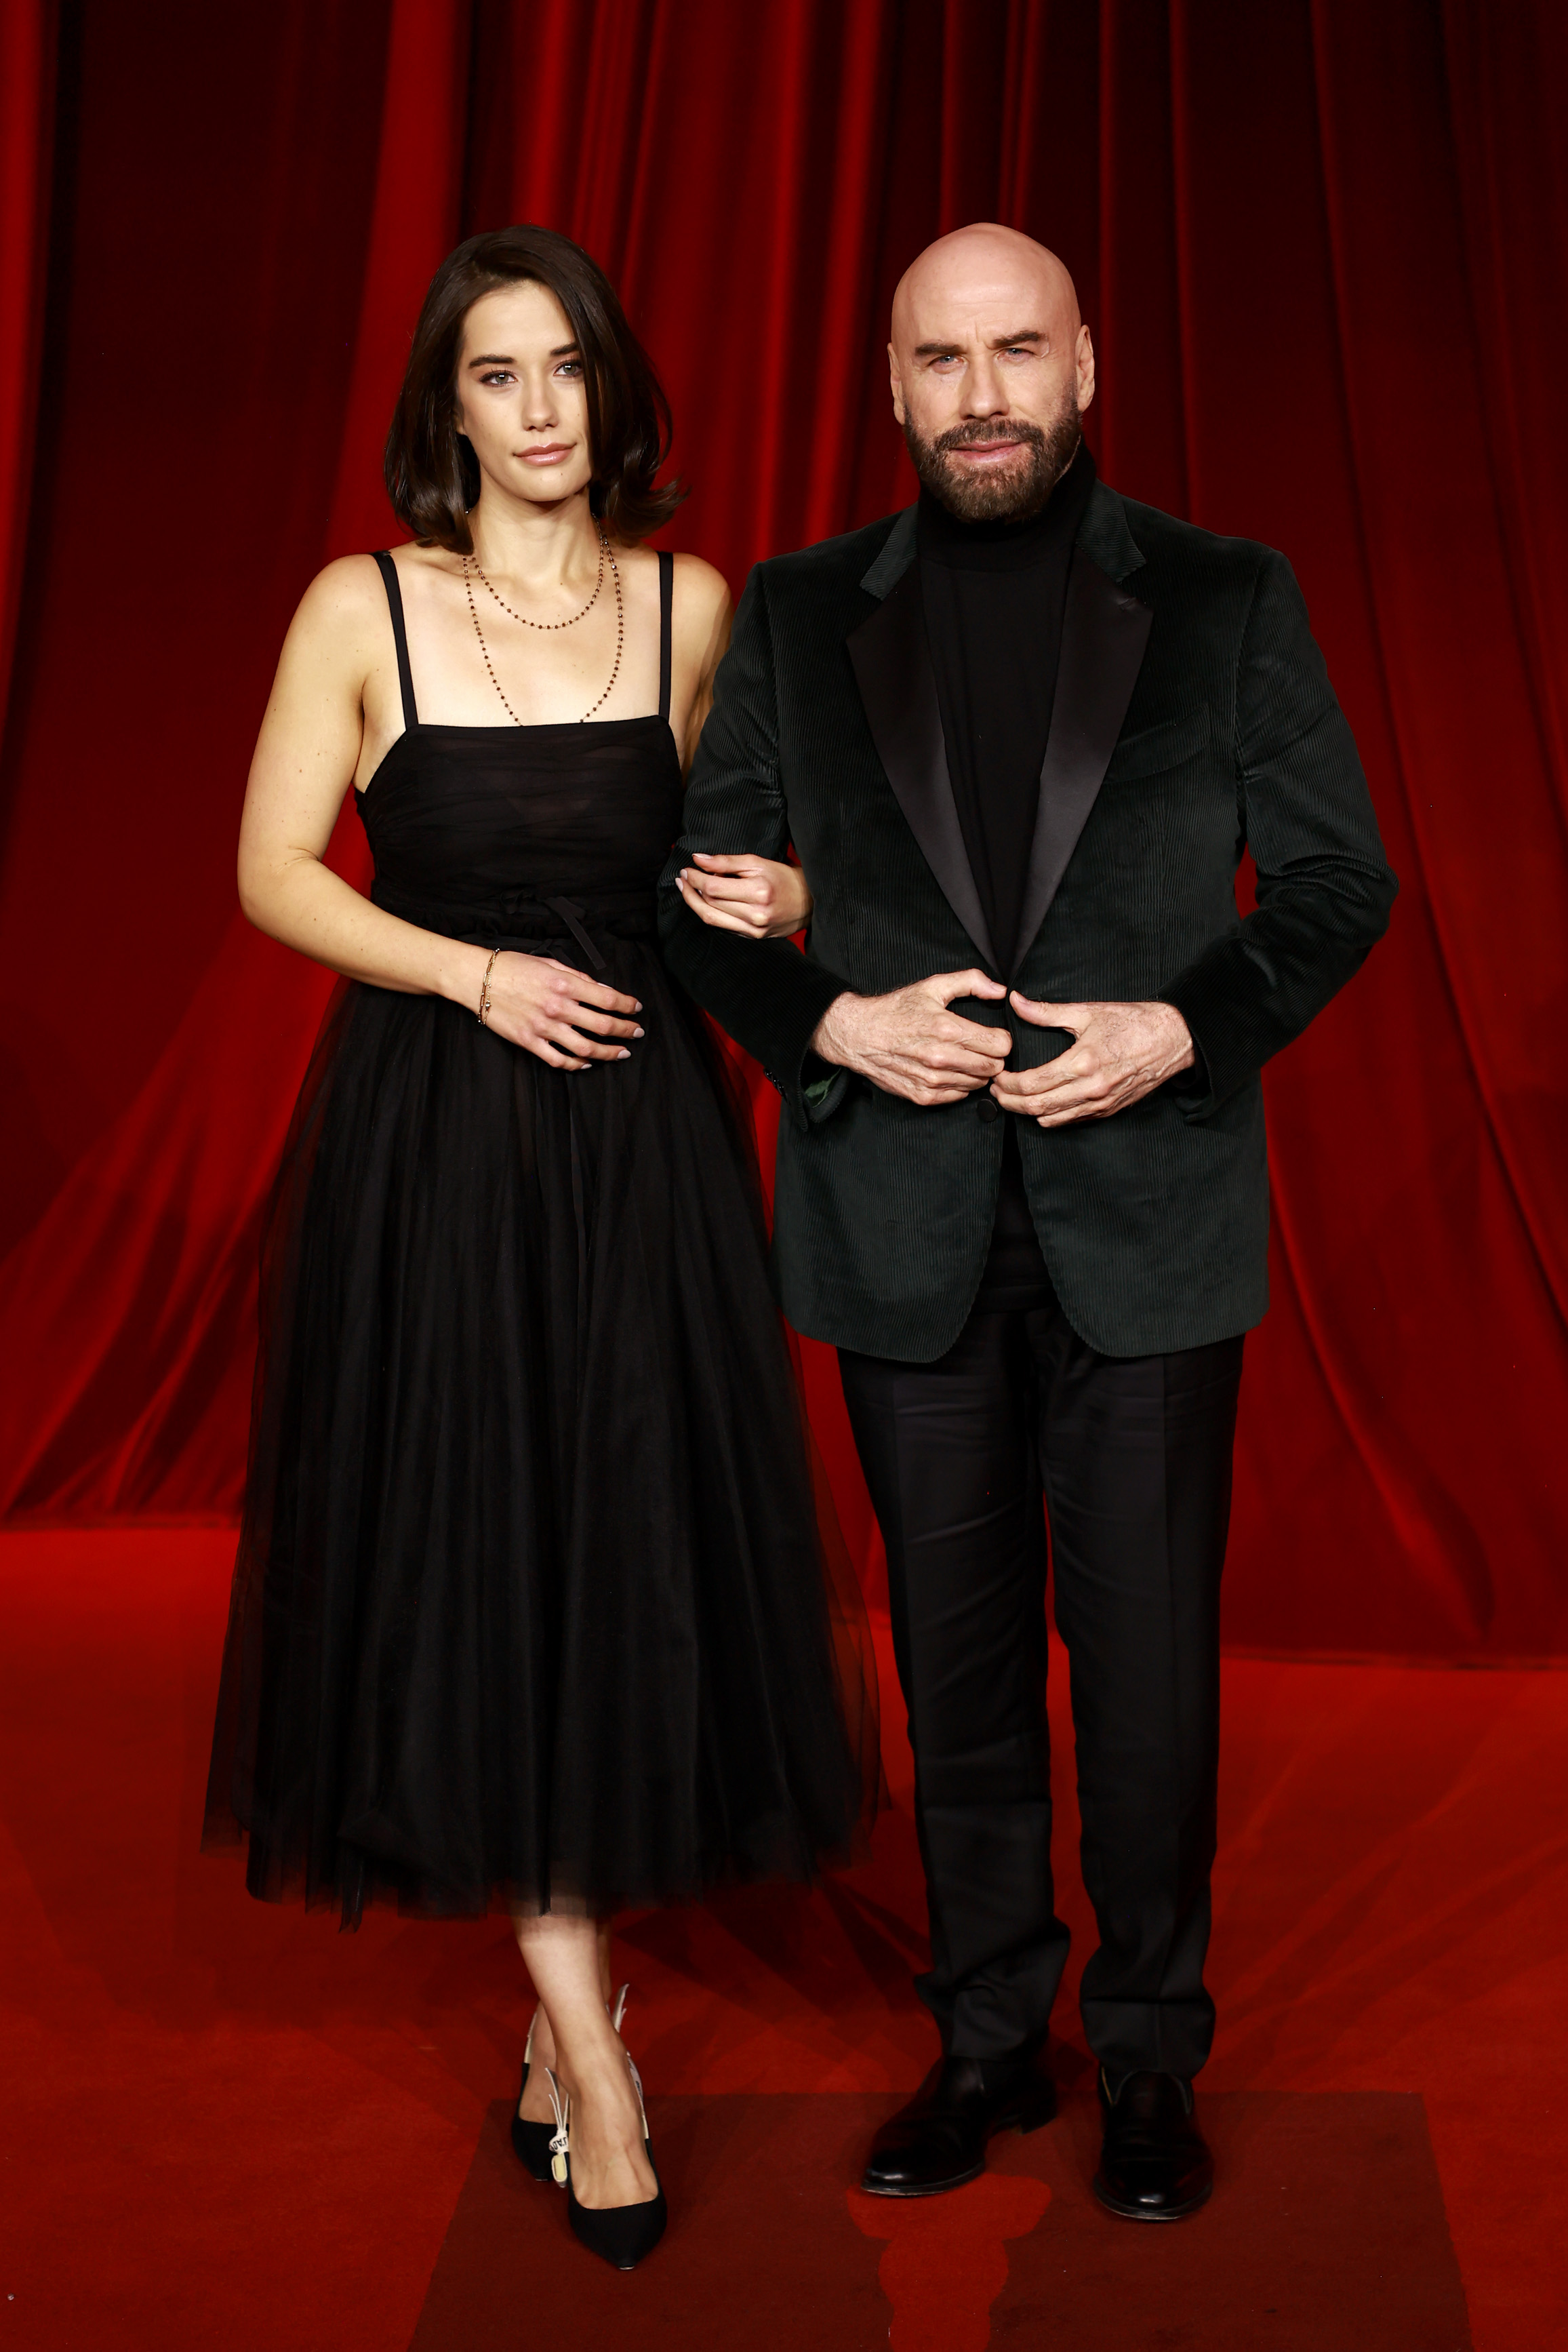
{"points": [[473, 828]]}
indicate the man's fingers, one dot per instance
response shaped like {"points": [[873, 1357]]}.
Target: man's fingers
{"points": [[1068, 1111], [952, 1053], [947, 985], [1073, 1017], [929, 1090], [1050, 1077], [944, 1058], [977, 1036], [1088, 1098]]}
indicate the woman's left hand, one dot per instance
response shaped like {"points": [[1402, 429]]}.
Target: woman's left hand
{"points": [[757, 897]]}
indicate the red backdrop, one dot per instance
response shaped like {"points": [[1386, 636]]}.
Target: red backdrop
{"points": [[1322, 246]]}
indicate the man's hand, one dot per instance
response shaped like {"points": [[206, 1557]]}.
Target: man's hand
{"points": [[909, 1043], [1123, 1052]]}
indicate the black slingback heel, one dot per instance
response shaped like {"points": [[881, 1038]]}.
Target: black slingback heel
{"points": [[620, 2235], [531, 2141]]}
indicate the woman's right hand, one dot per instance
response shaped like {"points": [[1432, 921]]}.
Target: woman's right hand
{"points": [[545, 1006]]}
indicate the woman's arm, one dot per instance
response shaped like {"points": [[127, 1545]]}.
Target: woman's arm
{"points": [[699, 629], [758, 897], [310, 746]]}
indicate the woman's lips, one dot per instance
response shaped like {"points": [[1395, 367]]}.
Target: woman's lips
{"points": [[549, 455]]}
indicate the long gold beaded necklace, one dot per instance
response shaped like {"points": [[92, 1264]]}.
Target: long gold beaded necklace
{"points": [[606, 554]]}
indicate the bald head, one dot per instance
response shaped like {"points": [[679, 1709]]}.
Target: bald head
{"points": [[991, 368], [981, 268]]}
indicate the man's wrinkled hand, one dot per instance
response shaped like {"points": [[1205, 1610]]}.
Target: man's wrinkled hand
{"points": [[1120, 1053], [909, 1043]]}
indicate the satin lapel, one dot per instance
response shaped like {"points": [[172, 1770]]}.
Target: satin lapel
{"points": [[1104, 634], [893, 670]]}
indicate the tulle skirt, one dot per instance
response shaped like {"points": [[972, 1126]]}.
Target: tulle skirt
{"points": [[535, 1602]]}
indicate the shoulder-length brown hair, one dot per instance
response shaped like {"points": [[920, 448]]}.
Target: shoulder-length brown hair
{"points": [[431, 474]]}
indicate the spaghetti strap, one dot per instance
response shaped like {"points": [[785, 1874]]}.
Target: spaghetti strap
{"points": [[400, 634], [666, 600]]}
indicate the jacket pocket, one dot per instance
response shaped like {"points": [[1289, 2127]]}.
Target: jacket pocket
{"points": [[1155, 749]]}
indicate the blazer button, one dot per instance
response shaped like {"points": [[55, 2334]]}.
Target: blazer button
{"points": [[988, 1107]]}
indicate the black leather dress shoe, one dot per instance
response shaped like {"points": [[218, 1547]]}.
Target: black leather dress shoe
{"points": [[1154, 2165], [938, 2140]]}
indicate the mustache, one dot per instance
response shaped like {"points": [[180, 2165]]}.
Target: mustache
{"points": [[982, 431]]}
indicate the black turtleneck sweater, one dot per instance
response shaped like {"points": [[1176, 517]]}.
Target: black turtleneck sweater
{"points": [[994, 595]]}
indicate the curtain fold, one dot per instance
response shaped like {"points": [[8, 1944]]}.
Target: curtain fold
{"points": [[1325, 253], [29, 40]]}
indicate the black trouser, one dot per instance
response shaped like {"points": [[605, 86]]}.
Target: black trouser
{"points": [[1135, 1455]]}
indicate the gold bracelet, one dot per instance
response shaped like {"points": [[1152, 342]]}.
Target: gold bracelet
{"points": [[484, 989]]}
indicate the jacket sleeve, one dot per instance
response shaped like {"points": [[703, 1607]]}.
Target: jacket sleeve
{"points": [[765, 993], [1324, 887]]}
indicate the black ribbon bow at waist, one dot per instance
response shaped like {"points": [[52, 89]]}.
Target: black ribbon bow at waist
{"points": [[521, 918]]}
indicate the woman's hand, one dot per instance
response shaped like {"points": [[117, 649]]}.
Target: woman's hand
{"points": [[757, 897], [544, 1007]]}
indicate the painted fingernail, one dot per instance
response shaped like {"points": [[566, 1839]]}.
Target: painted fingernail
{"points": [[624, 1055], [636, 1032]]}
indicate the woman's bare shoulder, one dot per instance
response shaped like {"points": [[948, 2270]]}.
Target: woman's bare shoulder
{"points": [[344, 596], [343, 616], [700, 618], [701, 585]]}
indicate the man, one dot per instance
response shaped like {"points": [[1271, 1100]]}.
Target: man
{"points": [[1019, 736]]}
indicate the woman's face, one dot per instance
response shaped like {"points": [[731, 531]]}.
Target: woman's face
{"points": [[521, 395]]}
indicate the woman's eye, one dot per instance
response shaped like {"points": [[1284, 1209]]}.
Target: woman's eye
{"points": [[569, 367], [496, 375]]}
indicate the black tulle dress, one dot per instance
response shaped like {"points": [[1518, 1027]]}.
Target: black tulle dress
{"points": [[532, 1602]]}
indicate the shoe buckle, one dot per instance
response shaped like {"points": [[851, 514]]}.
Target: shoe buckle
{"points": [[559, 2140]]}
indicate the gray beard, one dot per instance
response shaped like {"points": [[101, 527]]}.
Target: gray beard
{"points": [[989, 498]]}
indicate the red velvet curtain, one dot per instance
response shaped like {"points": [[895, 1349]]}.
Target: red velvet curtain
{"points": [[27, 130], [1323, 249]]}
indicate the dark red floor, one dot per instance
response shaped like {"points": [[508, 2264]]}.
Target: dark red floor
{"points": [[228, 2126]]}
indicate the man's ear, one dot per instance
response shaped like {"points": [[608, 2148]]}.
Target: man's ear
{"points": [[1083, 367], [895, 384]]}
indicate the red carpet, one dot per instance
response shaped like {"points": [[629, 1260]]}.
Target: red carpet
{"points": [[228, 2126], [1331, 2206]]}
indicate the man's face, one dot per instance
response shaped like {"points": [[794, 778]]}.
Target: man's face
{"points": [[991, 371]]}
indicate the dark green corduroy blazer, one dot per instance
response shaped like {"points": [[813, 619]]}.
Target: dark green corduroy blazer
{"points": [[1193, 718]]}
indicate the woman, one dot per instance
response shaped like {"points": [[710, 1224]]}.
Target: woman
{"points": [[530, 1604]]}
